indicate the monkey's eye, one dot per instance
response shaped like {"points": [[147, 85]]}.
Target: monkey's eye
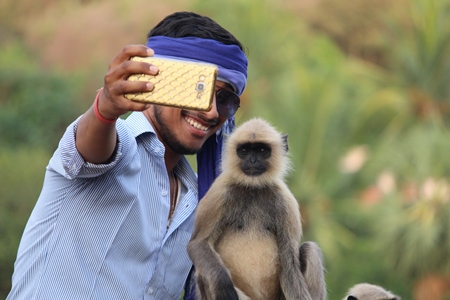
{"points": [[263, 151], [243, 150]]}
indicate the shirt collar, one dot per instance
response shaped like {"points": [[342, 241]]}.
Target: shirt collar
{"points": [[138, 123]]}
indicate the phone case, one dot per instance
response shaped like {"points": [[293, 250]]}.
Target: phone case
{"points": [[183, 84]]}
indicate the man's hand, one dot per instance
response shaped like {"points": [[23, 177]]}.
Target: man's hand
{"points": [[112, 102], [96, 137]]}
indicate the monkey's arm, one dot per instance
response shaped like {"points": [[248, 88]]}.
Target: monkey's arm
{"points": [[212, 277], [289, 233]]}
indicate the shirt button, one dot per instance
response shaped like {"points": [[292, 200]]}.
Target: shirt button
{"points": [[157, 150], [150, 291], [164, 193]]}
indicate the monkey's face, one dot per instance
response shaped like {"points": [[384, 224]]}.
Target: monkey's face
{"points": [[255, 154], [254, 158]]}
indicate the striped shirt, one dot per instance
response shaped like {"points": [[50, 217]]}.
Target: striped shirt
{"points": [[100, 231]]}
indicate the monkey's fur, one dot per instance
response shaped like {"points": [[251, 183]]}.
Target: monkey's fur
{"points": [[246, 241], [366, 291]]}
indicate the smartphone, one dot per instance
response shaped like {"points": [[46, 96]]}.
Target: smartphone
{"points": [[183, 84]]}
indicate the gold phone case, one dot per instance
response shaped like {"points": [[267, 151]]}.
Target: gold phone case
{"points": [[183, 84]]}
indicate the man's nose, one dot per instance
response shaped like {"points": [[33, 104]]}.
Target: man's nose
{"points": [[213, 113]]}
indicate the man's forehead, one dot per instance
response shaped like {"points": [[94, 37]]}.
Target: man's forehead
{"points": [[223, 85]]}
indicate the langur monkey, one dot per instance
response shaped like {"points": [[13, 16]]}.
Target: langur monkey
{"points": [[246, 240], [366, 291]]}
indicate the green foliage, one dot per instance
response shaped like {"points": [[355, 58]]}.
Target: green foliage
{"points": [[418, 237], [415, 231], [35, 105], [22, 173], [421, 59]]}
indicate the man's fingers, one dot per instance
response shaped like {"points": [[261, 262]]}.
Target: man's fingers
{"points": [[129, 51]]}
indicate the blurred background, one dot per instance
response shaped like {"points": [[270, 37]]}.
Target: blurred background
{"points": [[361, 87]]}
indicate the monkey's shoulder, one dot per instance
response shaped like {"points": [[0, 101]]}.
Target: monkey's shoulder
{"points": [[275, 192], [242, 204], [274, 187]]}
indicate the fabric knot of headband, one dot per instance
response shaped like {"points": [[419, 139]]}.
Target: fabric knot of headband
{"points": [[230, 59]]}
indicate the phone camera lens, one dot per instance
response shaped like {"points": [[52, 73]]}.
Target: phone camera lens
{"points": [[200, 86]]}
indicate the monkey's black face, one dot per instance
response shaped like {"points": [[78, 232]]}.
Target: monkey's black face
{"points": [[254, 158]]}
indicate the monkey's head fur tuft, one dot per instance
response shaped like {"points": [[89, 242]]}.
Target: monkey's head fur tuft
{"points": [[256, 132], [366, 291]]}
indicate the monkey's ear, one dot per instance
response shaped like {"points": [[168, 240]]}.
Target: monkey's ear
{"points": [[285, 144]]}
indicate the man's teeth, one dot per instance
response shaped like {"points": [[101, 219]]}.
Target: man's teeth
{"points": [[196, 124]]}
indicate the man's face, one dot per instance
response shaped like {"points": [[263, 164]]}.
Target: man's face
{"points": [[185, 131]]}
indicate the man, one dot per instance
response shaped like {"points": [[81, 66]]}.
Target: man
{"points": [[117, 206]]}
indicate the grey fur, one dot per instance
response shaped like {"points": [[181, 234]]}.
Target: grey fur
{"points": [[247, 230], [366, 291]]}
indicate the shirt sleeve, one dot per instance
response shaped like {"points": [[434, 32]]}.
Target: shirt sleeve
{"points": [[69, 163]]}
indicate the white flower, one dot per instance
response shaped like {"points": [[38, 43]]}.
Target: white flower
{"points": [[354, 159]]}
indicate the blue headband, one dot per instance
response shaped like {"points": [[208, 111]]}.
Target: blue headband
{"points": [[230, 59]]}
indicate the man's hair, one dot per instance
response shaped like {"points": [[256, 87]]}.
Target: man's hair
{"points": [[189, 24]]}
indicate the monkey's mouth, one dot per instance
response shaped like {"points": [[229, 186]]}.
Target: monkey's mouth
{"points": [[253, 171], [196, 124]]}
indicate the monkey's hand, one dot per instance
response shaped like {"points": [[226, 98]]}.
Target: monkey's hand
{"points": [[216, 286], [225, 290]]}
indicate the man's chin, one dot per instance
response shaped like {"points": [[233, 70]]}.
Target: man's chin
{"points": [[191, 151], [185, 149]]}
